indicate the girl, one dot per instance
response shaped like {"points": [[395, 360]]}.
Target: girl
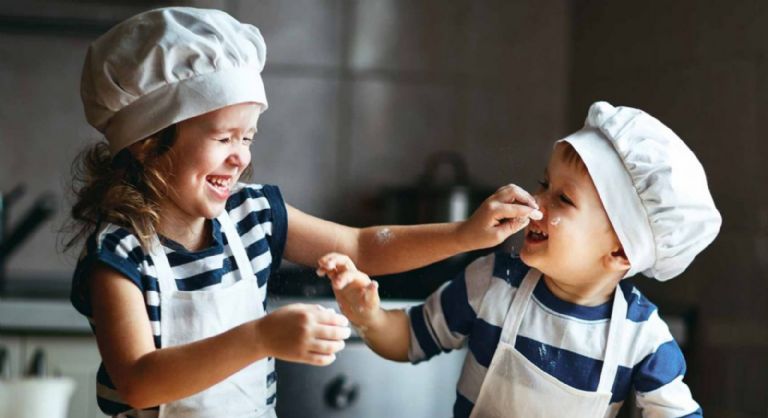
{"points": [[178, 252]]}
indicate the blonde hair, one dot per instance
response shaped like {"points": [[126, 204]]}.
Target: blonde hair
{"points": [[572, 157], [125, 190]]}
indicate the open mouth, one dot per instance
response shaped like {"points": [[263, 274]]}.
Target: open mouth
{"points": [[220, 184], [535, 235]]}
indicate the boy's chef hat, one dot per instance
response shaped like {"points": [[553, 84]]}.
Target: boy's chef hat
{"points": [[167, 65], [653, 188]]}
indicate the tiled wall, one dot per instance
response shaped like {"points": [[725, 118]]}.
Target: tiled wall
{"points": [[360, 92], [700, 66]]}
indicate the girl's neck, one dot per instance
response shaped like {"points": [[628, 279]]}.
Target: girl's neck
{"points": [[590, 294], [194, 235]]}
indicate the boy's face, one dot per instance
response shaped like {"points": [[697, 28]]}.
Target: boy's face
{"points": [[574, 243]]}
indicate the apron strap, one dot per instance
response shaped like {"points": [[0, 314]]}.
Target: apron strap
{"points": [[614, 342], [236, 245], [518, 307], [163, 270]]}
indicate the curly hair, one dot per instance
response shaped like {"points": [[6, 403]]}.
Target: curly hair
{"points": [[125, 190]]}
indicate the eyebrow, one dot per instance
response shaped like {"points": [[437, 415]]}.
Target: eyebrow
{"points": [[210, 127]]}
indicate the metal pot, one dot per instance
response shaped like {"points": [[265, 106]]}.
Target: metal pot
{"points": [[443, 193]]}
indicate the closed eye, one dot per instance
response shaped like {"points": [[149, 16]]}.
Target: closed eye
{"points": [[246, 141]]}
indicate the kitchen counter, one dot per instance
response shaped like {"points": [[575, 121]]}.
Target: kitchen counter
{"points": [[39, 306], [41, 316]]}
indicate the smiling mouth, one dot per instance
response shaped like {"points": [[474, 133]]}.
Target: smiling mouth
{"points": [[220, 183], [536, 235]]}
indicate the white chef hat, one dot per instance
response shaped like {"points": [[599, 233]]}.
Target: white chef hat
{"points": [[653, 188], [167, 65]]}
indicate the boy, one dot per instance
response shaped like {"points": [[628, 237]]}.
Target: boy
{"points": [[555, 332]]}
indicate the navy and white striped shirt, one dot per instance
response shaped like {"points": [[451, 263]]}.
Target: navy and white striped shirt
{"points": [[259, 213], [563, 339]]}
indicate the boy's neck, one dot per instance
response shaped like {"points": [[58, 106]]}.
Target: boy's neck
{"points": [[592, 294]]}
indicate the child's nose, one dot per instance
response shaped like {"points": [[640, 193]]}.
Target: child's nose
{"points": [[239, 157]]}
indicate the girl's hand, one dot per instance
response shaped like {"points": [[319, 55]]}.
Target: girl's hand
{"points": [[303, 333], [505, 212], [356, 294]]}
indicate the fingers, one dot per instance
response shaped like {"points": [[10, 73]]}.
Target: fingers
{"points": [[514, 211], [348, 278], [326, 346], [328, 316], [370, 295], [512, 193], [333, 333], [328, 337], [320, 359], [515, 224], [334, 263]]}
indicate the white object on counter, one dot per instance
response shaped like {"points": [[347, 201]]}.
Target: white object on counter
{"points": [[36, 397]]}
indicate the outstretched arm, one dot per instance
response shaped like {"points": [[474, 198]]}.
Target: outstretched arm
{"points": [[389, 249], [387, 332]]}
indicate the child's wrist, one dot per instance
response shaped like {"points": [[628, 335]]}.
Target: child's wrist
{"points": [[370, 321], [463, 241], [257, 340]]}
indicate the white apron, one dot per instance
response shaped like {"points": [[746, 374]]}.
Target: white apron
{"points": [[515, 387], [188, 316]]}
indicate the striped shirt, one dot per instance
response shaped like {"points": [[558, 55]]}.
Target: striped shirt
{"points": [[259, 213], [563, 339]]}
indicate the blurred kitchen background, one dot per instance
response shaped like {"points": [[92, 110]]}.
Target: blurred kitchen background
{"points": [[374, 100]]}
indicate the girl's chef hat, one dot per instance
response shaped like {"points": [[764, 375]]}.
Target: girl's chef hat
{"points": [[167, 65], [653, 188]]}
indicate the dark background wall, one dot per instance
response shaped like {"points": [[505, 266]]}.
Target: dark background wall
{"points": [[699, 66]]}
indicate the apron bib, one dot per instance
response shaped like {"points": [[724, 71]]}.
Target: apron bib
{"points": [[188, 316], [515, 387]]}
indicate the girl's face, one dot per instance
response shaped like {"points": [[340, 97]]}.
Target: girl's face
{"points": [[208, 156], [575, 241]]}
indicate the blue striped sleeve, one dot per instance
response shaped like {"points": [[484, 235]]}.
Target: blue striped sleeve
{"points": [[658, 380], [454, 302], [121, 250], [659, 368], [116, 248], [279, 224], [420, 329]]}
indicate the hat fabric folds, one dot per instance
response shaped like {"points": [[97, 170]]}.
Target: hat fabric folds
{"points": [[167, 65], [652, 186]]}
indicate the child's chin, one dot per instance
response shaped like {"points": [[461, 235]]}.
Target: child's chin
{"points": [[530, 258]]}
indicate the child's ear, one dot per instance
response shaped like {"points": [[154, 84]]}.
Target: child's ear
{"points": [[617, 260]]}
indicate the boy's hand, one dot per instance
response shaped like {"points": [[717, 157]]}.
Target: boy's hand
{"points": [[302, 333], [356, 294], [505, 212]]}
